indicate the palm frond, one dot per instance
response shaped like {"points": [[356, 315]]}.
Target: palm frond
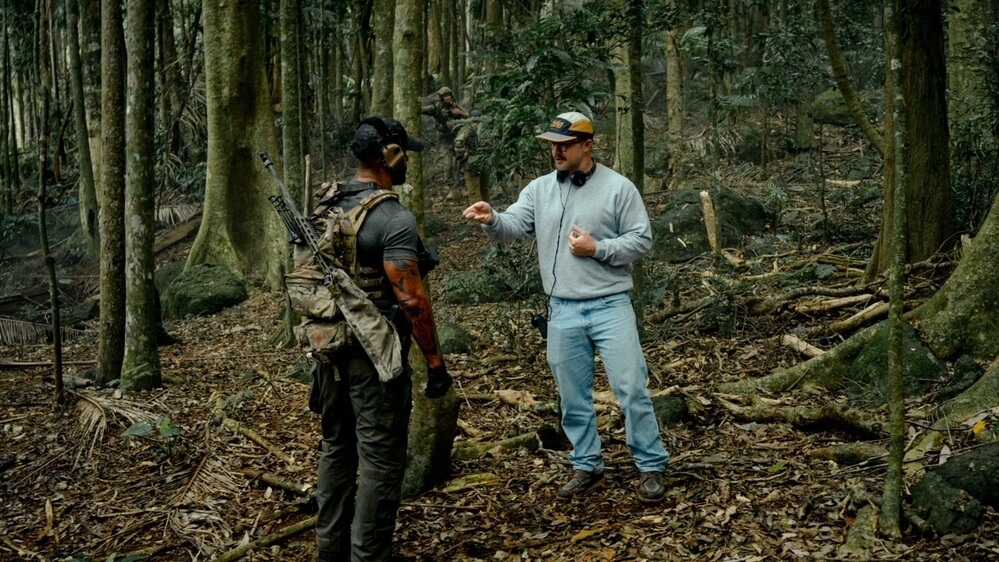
{"points": [[96, 410], [169, 215], [197, 513], [20, 332]]}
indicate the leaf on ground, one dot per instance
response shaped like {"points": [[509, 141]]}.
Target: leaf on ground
{"points": [[586, 533], [519, 398], [471, 481]]}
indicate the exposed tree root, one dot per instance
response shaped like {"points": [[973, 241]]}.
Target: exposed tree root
{"points": [[849, 454], [826, 370], [468, 451], [830, 415]]}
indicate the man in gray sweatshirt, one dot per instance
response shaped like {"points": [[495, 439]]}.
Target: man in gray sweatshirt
{"points": [[591, 225]]}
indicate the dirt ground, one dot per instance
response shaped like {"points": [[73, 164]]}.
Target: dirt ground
{"points": [[77, 486]]}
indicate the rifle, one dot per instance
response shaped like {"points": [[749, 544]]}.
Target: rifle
{"points": [[370, 328]]}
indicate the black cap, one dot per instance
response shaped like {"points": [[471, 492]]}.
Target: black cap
{"points": [[374, 133]]}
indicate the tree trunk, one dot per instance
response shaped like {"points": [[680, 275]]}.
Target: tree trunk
{"points": [[87, 189], [239, 229], [141, 366], [43, 239], [973, 142], [843, 81], [891, 498], [90, 51], [7, 113], [674, 102], [381, 77], [930, 201], [173, 87], [291, 110], [111, 346], [434, 422], [291, 100]]}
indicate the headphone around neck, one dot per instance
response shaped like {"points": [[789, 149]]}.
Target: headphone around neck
{"points": [[577, 178], [393, 155]]}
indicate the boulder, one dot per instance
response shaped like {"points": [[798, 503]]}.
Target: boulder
{"points": [[867, 384], [202, 290], [679, 232]]}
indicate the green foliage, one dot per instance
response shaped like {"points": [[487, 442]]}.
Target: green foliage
{"points": [[16, 226], [162, 432], [790, 65], [861, 43], [775, 196], [809, 274], [722, 315], [542, 69]]}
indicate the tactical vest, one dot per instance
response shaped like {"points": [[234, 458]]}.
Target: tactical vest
{"points": [[323, 328]]}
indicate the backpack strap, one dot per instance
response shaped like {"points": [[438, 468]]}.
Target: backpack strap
{"points": [[355, 220]]}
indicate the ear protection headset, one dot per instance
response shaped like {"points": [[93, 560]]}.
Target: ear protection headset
{"points": [[577, 178], [393, 155]]}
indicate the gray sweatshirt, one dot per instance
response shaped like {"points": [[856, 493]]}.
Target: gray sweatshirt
{"points": [[608, 206]]}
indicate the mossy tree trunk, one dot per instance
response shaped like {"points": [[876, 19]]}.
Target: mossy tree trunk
{"points": [[895, 131], [930, 201], [87, 187], [674, 99], [239, 228], [435, 422], [141, 365], [111, 344], [382, 76], [90, 53], [292, 140]]}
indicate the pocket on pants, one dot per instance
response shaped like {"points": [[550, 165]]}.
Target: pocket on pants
{"points": [[316, 392]]}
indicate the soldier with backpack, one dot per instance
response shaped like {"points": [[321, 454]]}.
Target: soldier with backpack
{"points": [[365, 418]]}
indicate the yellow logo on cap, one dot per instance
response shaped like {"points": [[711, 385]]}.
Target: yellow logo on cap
{"points": [[558, 124]]}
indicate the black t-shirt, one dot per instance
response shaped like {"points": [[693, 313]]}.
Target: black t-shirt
{"points": [[388, 232]]}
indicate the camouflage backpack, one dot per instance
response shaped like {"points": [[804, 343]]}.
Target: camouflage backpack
{"points": [[323, 328]]}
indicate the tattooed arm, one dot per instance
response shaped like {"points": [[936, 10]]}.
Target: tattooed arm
{"points": [[404, 275]]}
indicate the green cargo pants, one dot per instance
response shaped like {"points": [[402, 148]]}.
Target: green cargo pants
{"points": [[362, 456]]}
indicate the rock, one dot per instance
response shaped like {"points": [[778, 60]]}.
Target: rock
{"points": [[945, 508], [203, 290], [679, 229], [867, 384]]}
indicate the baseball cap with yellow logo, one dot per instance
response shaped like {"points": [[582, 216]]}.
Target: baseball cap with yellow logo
{"points": [[567, 127]]}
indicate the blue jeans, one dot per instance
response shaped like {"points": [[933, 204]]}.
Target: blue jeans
{"points": [[577, 329]]}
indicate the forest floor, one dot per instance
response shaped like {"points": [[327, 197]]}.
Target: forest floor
{"points": [[76, 485]]}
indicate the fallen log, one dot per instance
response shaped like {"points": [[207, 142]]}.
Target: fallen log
{"points": [[466, 451], [260, 440], [280, 534], [829, 305], [276, 481], [872, 313]]}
